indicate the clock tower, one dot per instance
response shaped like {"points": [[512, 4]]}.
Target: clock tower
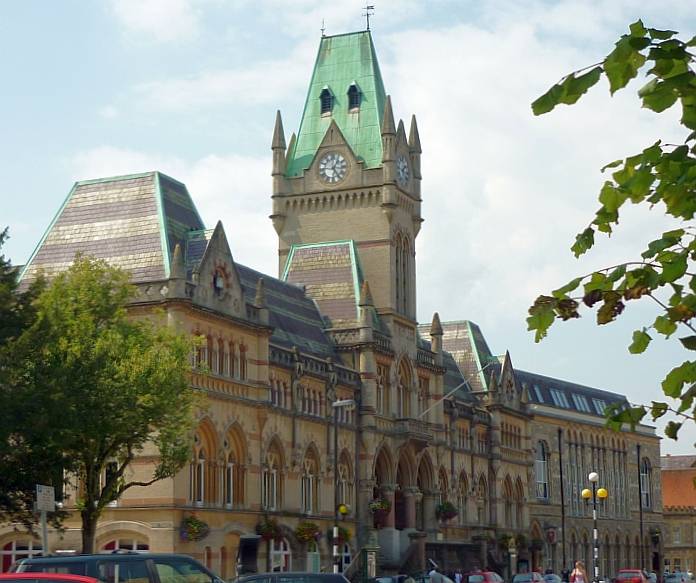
{"points": [[350, 176]]}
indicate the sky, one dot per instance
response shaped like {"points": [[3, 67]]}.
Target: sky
{"points": [[191, 87]]}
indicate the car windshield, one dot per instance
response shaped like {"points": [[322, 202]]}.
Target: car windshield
{"points": [[628, 575], [476, 578]]}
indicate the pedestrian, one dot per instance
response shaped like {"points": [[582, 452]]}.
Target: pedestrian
{"points": [[435, 575], [458, 576], [579, 575]]}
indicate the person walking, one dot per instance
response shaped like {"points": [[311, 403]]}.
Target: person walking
{"points": [[579, 575], [458, 576]]}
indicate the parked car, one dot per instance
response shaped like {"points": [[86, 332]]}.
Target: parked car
{"points": [[551, 578], [482, 577], [532, 577], [45, 578], [651, 576], [677, 577], [123, 567], [297, 577], [631, 576]]}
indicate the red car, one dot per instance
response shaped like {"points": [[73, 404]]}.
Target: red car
{"points": [[45, 578], [631, 576], [482, 577]]}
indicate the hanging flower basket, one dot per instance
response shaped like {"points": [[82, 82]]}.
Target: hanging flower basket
{"points": [[446, 511], [344, 535], [307, 532], [380, 508], [193, 529], [268, 529]]}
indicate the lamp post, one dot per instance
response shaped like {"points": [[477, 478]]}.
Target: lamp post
{"points": [[339, 507], [595, 493]]}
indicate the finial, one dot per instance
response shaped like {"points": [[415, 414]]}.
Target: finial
{"points": [[323, 28], [388, 119], [369, 11], [365, 295], [413, 138], [278, 133], [436, 326], [178, 269]]}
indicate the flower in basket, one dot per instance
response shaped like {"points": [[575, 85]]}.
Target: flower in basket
{"points": [[379, 505], [307, 532], [193, 529], [344, 535], [446, 511], [268, 529]]}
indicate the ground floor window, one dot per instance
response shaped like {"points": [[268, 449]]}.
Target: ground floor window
{"points": [[125, 544], [19, 549], [281, 555], [345, 558], [313, 558]]}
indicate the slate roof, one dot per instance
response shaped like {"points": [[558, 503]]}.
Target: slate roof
{"points": [[330, 274], [678, 462], [132, 222], [294, 316], [467, 345], [342, 60]]}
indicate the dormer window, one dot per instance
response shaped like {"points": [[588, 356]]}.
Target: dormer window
{"points": [[353, 97], [326, 98]]}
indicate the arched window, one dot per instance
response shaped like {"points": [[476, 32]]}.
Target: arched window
{"points": [[326, 101], [345, 480], [232, 371], [403, 393], [519, 504], [19, 549], [313, 558], [281, 555], [482, 501], [423, 390], [646, 483], [222, 358], [383, 388], [353, 97], [462, 497], [309, 489], [442, 486], [398, 271], [541, 470], [199, 477], [508, 503], [242, 362], [272, 479]]}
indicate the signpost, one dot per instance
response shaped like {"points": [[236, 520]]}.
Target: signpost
{"points": [[45, 502]]}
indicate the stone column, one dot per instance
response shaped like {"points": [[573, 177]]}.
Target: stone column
{"points": [[388, 493], [429, 518], [410, 495]]}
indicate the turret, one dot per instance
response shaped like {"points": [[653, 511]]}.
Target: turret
{"points": [[278, 149], [177, 276], [414, 147], [366, 308]]}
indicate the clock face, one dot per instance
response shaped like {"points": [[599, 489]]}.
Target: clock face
{"points": [[332, 167], [402, 171]]}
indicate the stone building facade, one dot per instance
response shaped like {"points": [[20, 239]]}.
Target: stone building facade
{"points": [[679, 501], [444, 450]]}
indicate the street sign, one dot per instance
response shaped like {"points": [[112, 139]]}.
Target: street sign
{"points": [[45, 498]]}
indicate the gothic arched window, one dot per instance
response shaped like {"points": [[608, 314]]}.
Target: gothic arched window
{"points": [[353, 97], [326, 99], [646, 483]]}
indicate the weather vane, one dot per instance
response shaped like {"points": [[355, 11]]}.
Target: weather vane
{"points": [[369, 10], [323, 28]]}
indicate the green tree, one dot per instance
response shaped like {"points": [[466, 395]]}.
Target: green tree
{"points": [[105, 385], [662, 175], [22, 464]]}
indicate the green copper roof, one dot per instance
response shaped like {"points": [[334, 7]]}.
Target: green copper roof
{"points": [[343, 60]]}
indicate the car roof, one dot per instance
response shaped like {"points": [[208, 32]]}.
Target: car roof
{"points": [[51, 576], [96, 556]]}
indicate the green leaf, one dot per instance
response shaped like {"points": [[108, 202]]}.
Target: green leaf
{"points": [[583, 242], [641, 339], [675, 379], [574, 87], [672, 429], [613, 164], [689, 116], [689, 342], [673, 266], [622, 64], [658, 96], [665, 326], [656, 34], [612, 198], [617, 274], [561, 292], [692, 42], [548, 100], [541, 316], [637, 29], [658, 409]]}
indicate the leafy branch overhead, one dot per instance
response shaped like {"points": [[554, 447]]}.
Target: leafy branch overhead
{"points": [[661, 175]]}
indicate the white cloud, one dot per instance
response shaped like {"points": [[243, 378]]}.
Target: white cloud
{"points": [[158, 20], [109, 112]]}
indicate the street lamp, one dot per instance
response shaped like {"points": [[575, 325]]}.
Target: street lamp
{"points": [[339, 507], [595, 493]]}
